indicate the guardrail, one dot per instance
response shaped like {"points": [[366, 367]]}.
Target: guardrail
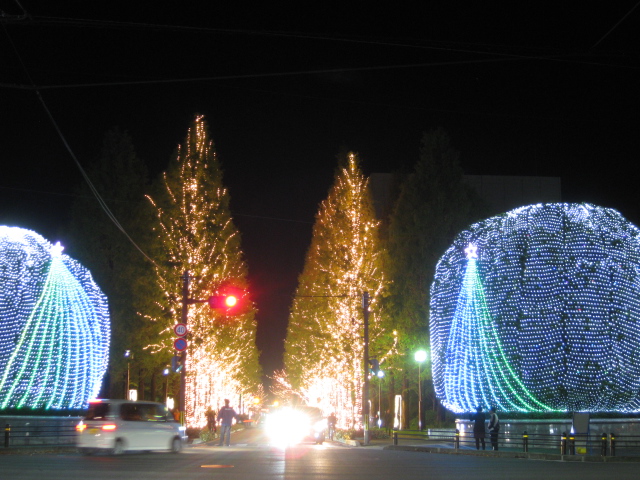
{"points": [[565, 444], [40, 433]]}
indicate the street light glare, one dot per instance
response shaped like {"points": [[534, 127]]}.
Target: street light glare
{"points": [[420, 356]]}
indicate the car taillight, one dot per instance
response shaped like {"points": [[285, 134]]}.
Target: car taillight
{"points": [[80, 427], [109, 426]]}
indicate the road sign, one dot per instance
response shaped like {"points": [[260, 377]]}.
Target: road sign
{"points": [[180, 329], [180, 344]]}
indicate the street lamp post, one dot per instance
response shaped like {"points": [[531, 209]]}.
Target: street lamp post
{"points": [[380, 377], [365, 389], [420, 356], [166, 372], [129, 356]]}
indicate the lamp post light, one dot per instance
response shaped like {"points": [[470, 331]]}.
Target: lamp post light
{"points": [[165, 372], [129, 356], [420, 356], [380, 377]]}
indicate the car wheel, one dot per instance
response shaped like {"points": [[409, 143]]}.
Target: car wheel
{"points": [[85, 451], [176, 445], [118, 447]]}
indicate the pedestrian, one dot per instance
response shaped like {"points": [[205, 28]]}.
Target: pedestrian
{"points": [[494, 428], [225, 417], [479, 431], [331, 423], [210, 414]]}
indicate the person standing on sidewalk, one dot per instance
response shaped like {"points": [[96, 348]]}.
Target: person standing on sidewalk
{"points": [[494, 428], [479, 431], [225, 417]]}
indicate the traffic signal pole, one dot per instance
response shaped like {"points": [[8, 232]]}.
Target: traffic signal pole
{"points": [[183, 371], [225, 302], [365, 390]]}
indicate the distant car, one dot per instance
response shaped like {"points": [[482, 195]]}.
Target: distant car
{"points": [[117, 426], [293, 425]]}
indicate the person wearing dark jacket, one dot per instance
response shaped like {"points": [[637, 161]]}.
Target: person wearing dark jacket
{"points": [[494, 428], [479, 431], [225, 417]]}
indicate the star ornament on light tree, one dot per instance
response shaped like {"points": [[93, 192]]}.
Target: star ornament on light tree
{"points": [[471, 251], [56, 250]]}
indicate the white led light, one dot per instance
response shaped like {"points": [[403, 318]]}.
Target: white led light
{"points": [[54, 330], [543, 316]]}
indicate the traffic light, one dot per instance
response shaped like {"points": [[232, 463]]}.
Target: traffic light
{"points": [[229, 300], [223, 301], [375, 366], [176, 363]]}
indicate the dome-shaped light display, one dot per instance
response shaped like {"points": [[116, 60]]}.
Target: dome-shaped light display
{"points": [[538, 310], [54, 326]]}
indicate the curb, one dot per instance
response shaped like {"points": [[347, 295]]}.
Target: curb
{"points": [[39, 450], [507, 454]]}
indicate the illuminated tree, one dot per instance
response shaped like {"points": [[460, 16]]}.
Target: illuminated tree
{"points": [[54, 326], [324, 344], [199, 236], [546, 318]]}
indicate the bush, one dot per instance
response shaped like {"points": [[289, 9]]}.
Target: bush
{"points": [[345, 434], [207, 436], [351, 434], [378, 433]]}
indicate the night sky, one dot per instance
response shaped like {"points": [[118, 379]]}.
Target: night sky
{"points": [[547, 89]]}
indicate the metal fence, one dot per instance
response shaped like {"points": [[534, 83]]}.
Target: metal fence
{"points": [[564, 444], [39, 433]]}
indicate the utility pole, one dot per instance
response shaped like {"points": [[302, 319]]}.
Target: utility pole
{"points": [[183, 371], [365, 390]]}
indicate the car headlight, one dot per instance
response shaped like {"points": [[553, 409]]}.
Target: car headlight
{"points": [[320, 425]]}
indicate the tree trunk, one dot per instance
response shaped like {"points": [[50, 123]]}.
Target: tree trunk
{"points": [[153, 395]]}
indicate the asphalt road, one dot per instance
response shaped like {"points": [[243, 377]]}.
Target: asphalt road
{"points": [[250, 457]]}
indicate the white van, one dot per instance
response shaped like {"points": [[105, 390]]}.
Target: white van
{"points": [[116, 426]]}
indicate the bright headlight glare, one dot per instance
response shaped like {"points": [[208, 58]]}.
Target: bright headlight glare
{"points": [[320, 425], [287, 427]]}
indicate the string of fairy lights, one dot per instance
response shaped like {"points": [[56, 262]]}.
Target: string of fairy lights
{"points": [[198, 234], [55, 332], [324, 346], [538, 309]]}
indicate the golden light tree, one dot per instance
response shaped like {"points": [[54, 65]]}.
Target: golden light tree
{"points": [[324, 345], [197, 235]]}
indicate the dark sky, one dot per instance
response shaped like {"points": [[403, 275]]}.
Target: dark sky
{"points": [[546, 88]]}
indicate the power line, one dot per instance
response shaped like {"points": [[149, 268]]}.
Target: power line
{"points": [[93, 189], [616, 25], [304, 72]]}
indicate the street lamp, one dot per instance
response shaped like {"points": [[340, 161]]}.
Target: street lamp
{"points": [[166, 372], [420, 356], [129, 356], [380, 375]]}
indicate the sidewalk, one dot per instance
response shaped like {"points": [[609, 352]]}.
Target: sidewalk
{"points": [[507, 452]]}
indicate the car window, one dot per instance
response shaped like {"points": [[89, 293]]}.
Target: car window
{"points": [[97, 411], [311, 412], [143, 412], [152, 412], [130, 412]]}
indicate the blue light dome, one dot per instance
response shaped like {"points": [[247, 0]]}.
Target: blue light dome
{"points": [[54, 326], [538, 310]]}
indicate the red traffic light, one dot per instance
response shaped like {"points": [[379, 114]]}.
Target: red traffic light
{"points": [[227, 302], [229, 299]]}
